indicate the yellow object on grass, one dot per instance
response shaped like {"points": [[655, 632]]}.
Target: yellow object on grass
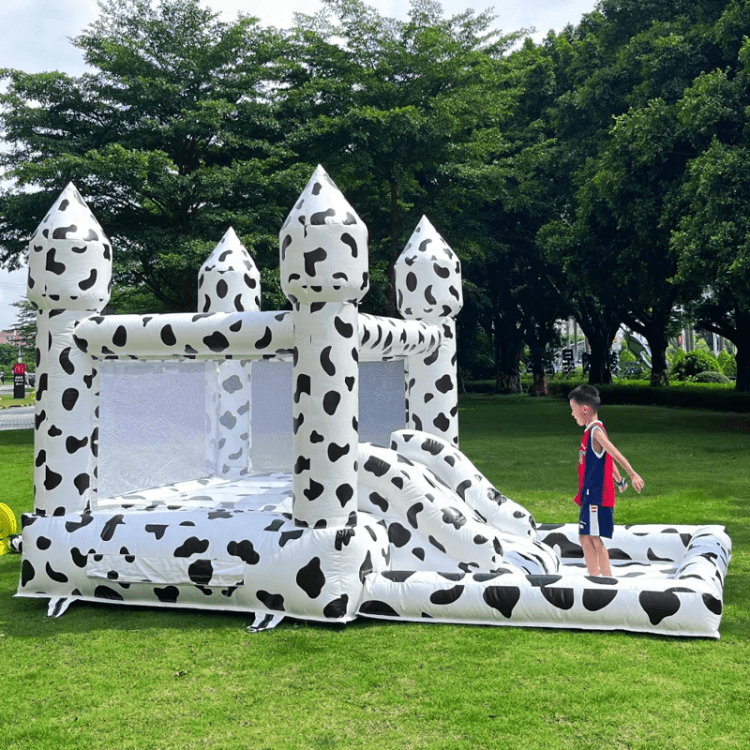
{"points": [[8, 526]]}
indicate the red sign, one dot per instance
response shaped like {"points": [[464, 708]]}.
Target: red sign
{"points": [[19, 368]]}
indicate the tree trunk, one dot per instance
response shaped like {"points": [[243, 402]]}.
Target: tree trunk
{"points": [[600, 323], [600, 370], [539, 383], [659, 366], [657, 341], [508, 347], [735, 327], [742, 356], [743, 369], [392, 310]]}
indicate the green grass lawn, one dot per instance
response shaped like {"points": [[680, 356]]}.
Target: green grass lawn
{"points": [[7, 400], [109, 677]]}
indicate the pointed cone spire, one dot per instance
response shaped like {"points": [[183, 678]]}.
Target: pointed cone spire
{"points": [[321, 202], [71, 219], [323, 246], [70, 257], [229, 280], [428, 276]]}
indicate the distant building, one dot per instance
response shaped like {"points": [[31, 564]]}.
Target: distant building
{"points": [[8, 337]]}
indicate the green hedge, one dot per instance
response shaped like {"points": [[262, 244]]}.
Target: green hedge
{"points": [[718, 396]]}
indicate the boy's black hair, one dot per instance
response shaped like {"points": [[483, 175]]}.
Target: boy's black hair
{"points": [[585, 395]]}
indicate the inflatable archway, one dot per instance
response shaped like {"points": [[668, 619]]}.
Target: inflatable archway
{"points": [[214, 509]]}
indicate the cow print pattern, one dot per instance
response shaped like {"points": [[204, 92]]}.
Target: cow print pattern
{"points": [[388, 338], [465, 480], [247, 335], [324, 410], [669, 580], [428, 277], [230, 557], [323, 254], [70, 258], [428, 287], [411, 532], [324, 266], [431, 527], [229, 281], [70, 262]]}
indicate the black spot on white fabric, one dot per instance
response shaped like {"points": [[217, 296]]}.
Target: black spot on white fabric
{"points": [[336, 608], [659, 604], [376, 466], [167, 335], [191, 546], [325, 362], [331, 402], [379, 501], [310, 578], [398, 536], [51, 478], [312, 258], [447, 596], [335, 451], [502, 598], [200, 572], [216, 342], [712, 604], [55, 575], [111, 526], [377, 609], [106, 592], [157, 529], [168, 594], [344, 329], [274, 602], [596, 599]]}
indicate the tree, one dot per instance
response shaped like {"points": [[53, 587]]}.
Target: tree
{"points": [[713, 246], [403, 113], [631, 159], [171, 139], [25, 332]]}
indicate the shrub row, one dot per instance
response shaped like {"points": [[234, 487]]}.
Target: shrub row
{"points": [[718, 396]]}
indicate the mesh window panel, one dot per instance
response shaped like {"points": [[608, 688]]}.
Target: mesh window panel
{"points": [[151, 424], [153, 418]]}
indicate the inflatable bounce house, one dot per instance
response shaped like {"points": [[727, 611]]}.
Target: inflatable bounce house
{"points": [[301, 463]]}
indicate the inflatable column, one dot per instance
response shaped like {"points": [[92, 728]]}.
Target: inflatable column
{"points": [[428, 287], [228, 281], [324, 273], [70, 271]]}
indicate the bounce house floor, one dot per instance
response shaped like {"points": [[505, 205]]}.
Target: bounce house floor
{"points": [[133, 549]]}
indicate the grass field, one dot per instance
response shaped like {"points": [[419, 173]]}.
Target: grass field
{"points": [[107, 677]]}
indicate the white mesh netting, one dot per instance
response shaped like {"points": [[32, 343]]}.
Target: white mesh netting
{"points": [[155, 427]]}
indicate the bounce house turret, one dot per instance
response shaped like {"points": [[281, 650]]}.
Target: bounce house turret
{"points": [[324, 272], [70, 271], [229, 281], [428, 287]]}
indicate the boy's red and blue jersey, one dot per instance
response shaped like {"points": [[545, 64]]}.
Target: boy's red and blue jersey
{"points": [[596, 484]]}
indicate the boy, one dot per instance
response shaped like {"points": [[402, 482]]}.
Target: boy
{"points": [[596, 477]]}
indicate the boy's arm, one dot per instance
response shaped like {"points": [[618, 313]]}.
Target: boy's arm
{"points": [[601, 439]]}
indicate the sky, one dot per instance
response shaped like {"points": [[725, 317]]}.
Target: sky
{"points": [[35, 36]]}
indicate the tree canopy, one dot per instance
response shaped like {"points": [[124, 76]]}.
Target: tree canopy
{"points": [[599, 173]]}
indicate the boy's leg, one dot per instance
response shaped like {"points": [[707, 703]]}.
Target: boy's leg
{"points": [[602, 556], [590, 553], [588, 520]]}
